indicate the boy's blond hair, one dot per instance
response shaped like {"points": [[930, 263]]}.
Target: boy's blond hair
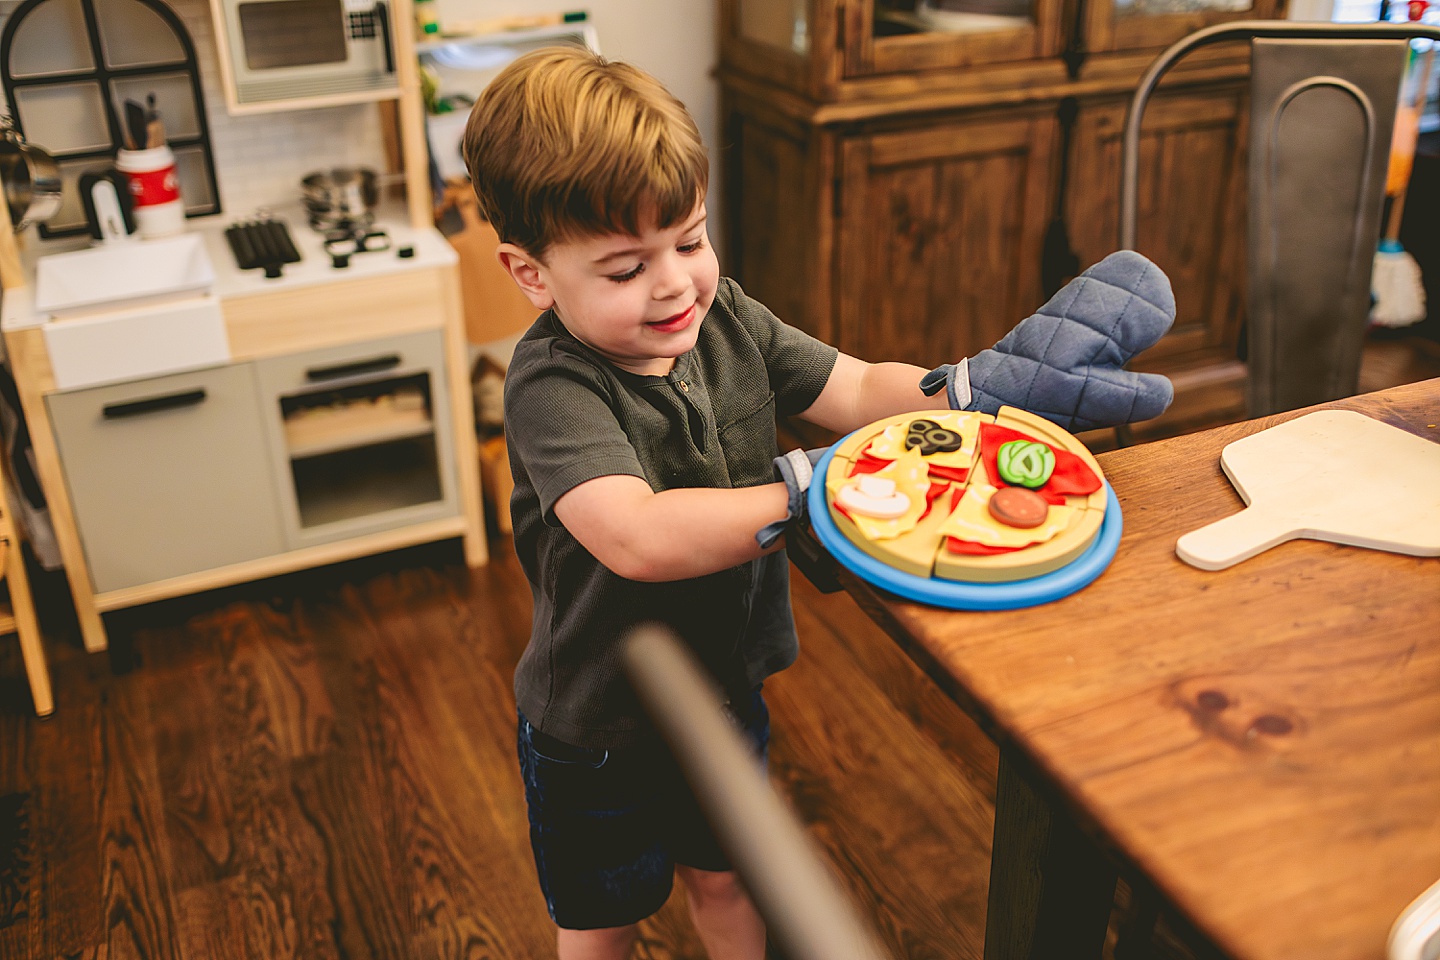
{"points": [[565, 144]]}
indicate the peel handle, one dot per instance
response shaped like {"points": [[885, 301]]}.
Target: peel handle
{"points": [[1237, 537]]}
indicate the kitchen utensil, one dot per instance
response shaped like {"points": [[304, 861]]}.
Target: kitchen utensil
{"points": [[340, 198], [1334, 475], [155, 188], [105, 195], [31, 178], [137, 126]]}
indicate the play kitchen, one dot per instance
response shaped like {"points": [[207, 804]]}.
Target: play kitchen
{"points": [[215, 399], [207, 423]]}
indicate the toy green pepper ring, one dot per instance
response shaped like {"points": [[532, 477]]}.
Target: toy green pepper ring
{"points": [[1025, 463]]}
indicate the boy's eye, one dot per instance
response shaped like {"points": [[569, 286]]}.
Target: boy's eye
{"points": [[692, 247], [627, 275]]}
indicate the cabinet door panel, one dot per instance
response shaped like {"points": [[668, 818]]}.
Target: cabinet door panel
{"points": [[1117, 25], [940, 240], [778, 237], [167, 476], [1191, 212]]}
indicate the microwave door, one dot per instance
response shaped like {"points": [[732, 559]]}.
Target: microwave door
{"points": [[278, 34]]}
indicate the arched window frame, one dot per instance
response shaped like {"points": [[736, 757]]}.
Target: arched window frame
{"points": [[104, 76]]}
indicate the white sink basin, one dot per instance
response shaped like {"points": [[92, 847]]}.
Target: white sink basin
{"points": [[120, 274]]}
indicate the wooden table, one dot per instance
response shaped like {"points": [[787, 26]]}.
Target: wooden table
{"points": [[1261, 744]]}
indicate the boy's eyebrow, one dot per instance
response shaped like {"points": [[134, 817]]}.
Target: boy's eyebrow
{"points": [[635, 250]]}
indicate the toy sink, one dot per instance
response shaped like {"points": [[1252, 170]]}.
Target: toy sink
{"points": [[121, 275]]}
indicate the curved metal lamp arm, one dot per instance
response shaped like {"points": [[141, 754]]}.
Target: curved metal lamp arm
{"points": [[1240, 30], [806, 912]]}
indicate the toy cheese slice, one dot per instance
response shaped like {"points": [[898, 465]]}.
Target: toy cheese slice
{"points": [[966, 496]]}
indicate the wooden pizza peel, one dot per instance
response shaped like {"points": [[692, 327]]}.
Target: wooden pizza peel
{"points": [[1335, 475]]}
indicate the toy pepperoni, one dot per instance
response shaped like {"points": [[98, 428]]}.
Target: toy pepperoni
{"points": [[1026, 463], [1018, 507]]}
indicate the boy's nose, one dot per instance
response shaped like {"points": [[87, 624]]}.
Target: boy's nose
{"points": [[671, 279]]}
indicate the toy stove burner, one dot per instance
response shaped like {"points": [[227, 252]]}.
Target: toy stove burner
{"points": [[345, 239], [263, 241]]}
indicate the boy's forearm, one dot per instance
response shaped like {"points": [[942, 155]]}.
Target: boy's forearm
{"points": [[890, 388], [859, 393], [701, 530], [676, 534]]}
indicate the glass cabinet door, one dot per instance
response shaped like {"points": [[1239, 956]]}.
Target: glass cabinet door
{"points": [[816, 45], [1118, 25], [903, 36], [783, 24]]}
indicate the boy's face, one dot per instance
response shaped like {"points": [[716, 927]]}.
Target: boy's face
{"points": [[637, 301]]}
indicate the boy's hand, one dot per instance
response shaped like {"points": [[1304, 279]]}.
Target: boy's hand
{"points": [[797, 469], [1065, 363]]}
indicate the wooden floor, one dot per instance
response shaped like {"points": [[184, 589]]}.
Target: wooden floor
{"points": [[322, 766]]}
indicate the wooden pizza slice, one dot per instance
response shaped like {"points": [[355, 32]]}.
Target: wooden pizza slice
{"points": [[1072, 519]]}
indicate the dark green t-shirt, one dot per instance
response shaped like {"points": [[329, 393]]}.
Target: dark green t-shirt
{"points": [[572, 416]]}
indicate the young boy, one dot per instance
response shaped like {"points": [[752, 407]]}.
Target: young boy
{"points": [[640, 414]]}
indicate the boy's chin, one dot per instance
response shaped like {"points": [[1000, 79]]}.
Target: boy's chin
{"points": [[672, 345]]}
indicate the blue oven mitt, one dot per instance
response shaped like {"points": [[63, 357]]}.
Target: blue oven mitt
{"points": [[1066, 362]]}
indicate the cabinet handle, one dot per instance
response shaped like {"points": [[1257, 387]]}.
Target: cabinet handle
{"points": [[134, 408], [372, 365]]}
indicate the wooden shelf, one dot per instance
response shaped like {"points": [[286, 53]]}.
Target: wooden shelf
{"points": [[330, 429]]}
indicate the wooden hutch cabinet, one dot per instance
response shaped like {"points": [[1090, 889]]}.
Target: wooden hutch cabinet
{"points": [[908, 179]]}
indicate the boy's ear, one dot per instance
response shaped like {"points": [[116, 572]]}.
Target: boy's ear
{"points": [[525, 271]]}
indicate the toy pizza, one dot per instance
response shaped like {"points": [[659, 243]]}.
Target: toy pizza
{"points": [[959, 496]]}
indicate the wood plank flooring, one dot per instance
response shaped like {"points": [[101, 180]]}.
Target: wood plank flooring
{"points": [[322, 766]]}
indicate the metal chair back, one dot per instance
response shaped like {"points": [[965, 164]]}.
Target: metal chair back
{"points": [[1323, 100], [807, 914]]}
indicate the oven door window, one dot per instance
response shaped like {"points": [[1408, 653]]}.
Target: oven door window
{"points": [[293, 33]]}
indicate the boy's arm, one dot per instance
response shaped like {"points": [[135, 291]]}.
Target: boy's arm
{"points": [[858, 393], [676, 534]]}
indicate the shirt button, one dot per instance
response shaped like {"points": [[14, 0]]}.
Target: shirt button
{"points": [[685, 387]]}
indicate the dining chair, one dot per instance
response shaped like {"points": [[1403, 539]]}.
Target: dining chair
{"points": [[807, 914], [1323, 100]]}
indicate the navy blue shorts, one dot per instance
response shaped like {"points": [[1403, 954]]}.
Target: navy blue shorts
{"points": [[607, 827]]}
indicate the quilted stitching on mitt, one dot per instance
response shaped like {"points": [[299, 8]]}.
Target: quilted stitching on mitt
{"points": [[1066, 362]]}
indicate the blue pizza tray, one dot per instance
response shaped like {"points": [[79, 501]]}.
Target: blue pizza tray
{"points": [[955, 595]]}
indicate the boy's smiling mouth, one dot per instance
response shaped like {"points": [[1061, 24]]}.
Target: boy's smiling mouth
{"points": [[676, 323]]}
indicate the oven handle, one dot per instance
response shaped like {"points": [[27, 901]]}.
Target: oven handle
{"points": [[354, 369], [382, 15]]}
